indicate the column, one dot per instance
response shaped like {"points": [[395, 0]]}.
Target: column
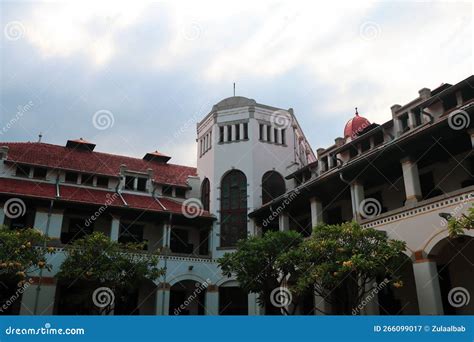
{"points": [[115, 228], [284, 222], [411, 179], [321, 304], [2, 215], [253, 307], [162, 299], [357, 196], [165, 239], [427, 287], [212, 300], [55, 223], [316, 211], [38, 299], [471, 134]]}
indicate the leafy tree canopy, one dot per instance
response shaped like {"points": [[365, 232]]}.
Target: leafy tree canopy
{"points": [[22, 252]]}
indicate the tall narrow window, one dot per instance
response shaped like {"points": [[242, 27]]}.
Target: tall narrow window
{"points": [[221, 134], [210, 140], [205, 193], [237, 132], [275, 136], [283, 136], [273, 185], [233, 208], [229, 133], [269, 133], [246, 130], [260, 132]]}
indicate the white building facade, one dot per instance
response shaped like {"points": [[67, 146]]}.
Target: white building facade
{"points": [[256, 172]]}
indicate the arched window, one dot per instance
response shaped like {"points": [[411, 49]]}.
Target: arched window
{"points": [[233, 208], [205, 193], [273, 185]]}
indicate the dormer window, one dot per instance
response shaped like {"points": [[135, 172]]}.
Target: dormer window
{"points": [[40, 172], [129, 180], [71, 177], [135, 183], [87, 179], [404, 122], [167, 191], [102, 181], [180, 192], [23, 171], [141, 184]]}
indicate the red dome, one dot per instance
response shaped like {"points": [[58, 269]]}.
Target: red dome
{"points": [[355, 126]]}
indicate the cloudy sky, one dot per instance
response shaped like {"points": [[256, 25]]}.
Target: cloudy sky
{"points": [[135, 76]]}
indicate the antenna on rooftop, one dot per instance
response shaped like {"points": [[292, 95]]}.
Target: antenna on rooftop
{"points": [[40, 136]]}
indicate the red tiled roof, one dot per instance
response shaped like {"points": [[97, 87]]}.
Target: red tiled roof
{"points": [[76, 194], [61, 157]]}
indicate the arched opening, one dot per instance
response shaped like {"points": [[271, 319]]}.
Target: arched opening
{"points": [[205, 194], [454, 259], [402, 300], [187, 298], [273, 185], [233, 208]]}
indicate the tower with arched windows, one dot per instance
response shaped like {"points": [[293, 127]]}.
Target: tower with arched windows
{"points": [[245, 150]]}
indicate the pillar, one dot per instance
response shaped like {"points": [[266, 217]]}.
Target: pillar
{"points": [[357, 196], [316, 211], [322, 307], [427, 287], [55, 223], [212, 300], [284, 222], [253, 307], [162, 299], [2, 215], [115, 228], [411, 179], [38, 299], [471, 134]]}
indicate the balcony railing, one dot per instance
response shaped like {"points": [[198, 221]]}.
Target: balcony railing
{"points": [[422, 207]]}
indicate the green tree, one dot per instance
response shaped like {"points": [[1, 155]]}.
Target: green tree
{"points": [[341, 260], [256, 264], [22, 252], [97, 261], [458, 225]]}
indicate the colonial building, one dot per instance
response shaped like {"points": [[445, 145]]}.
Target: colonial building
{"points": [[256, 172]]}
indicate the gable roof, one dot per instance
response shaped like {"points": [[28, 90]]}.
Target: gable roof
{"points": [[74, 159]]}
